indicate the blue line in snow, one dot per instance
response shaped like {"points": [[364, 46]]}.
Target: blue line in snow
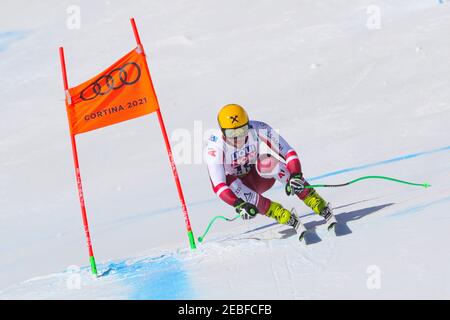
{"points": [[160, 278], [9, 37], [418, 208], [333, 173], [375, 164], [379, 163]]}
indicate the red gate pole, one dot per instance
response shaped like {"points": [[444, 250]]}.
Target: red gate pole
{"points": [[166, 140], [77, 167]]}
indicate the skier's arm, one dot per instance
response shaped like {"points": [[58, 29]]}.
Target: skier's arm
{"points": [[214, 160], [279, 145]]}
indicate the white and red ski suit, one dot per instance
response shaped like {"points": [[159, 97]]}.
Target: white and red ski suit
{"points": [[246, 172]]}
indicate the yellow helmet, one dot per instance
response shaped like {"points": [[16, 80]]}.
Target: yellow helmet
{"points": [[232, 116]]}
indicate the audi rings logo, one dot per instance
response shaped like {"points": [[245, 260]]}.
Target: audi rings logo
{"points": [[127, 75]]}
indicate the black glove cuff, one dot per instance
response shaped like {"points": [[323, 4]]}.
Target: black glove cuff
{"points": [[297, 175], [238, 202]]}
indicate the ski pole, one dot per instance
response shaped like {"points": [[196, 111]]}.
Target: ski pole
{"points": [[200, 239], [425, 185]]}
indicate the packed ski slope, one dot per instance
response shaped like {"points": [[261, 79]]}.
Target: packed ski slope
{"points": [[352, 99]]}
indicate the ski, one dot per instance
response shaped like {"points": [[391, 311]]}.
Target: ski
{"points": [[340, 228], [306, 235], [331, 223], [302, 231], [330, 219], [298, 226], [309, 236]]}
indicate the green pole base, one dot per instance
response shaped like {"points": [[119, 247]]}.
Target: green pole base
{"points": [[93, 266], [192, 240]]}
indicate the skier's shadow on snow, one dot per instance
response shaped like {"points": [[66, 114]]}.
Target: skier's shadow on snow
{"points": [[312, 237], [341, 228]]}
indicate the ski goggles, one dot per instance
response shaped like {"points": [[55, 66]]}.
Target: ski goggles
{"points": [[236, 132]]}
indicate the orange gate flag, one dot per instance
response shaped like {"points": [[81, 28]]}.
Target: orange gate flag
{"points": [[121, 92]]}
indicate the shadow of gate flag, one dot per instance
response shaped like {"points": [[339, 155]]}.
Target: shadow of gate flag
{"points": [[120, 93]]}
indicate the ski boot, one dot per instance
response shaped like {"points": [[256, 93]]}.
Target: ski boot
{"points": [[330, 219], [284, 216], [320, 207], [298, 226]]}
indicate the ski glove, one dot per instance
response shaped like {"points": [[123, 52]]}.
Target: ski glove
{"points": [[245, 209], [295, 185]]}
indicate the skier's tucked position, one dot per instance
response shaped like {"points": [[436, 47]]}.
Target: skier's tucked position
{"points": [[240, 171]]}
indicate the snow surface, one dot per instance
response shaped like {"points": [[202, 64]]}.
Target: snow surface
{"points": [[345, 96]]}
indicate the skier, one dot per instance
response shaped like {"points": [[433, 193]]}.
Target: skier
{"points": [[240, 171]]}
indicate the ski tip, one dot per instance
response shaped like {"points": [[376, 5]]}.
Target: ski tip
{"points": [[332, 226], [426, 185], [200, 239], [302, 236]]}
